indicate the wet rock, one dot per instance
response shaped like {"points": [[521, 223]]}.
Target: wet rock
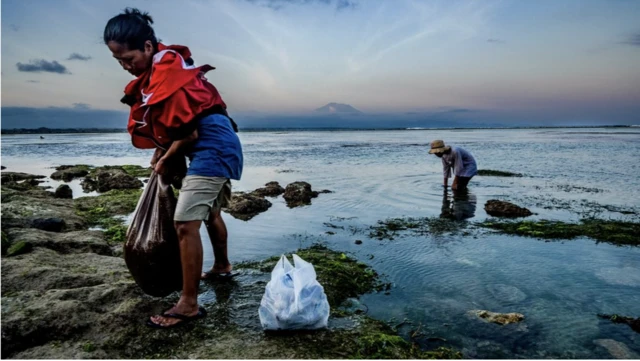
{"points": [[64, 243], [67, 173], [271, 189], [63, 191], [6, 243], [245, 206], [49, 224], [499, 318], [498, 208], [299, 194], [104, 180], [617, 349], [497, 173], [634, 323], [19, 248], [18, 176], [39, 209]]}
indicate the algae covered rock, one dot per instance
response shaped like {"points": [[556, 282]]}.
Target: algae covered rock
{"points": [[67, 173], [271, 189], [245, 206], [499, 208], [106, 179], [499, 318], [634, 323], [18, 248], [299, 194], [497, 173], [610, 231], [18, 176]]}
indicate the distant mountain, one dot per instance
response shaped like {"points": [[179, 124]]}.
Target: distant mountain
{"points": [[337, 108]]}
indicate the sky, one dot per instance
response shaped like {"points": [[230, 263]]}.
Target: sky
{"points": [[569, 61]]}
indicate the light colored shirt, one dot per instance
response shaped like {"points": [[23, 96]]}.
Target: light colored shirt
{"points": [[462, 162]]}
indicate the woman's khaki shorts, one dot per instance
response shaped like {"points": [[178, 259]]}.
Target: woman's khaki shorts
{"points": [[200, 195]]}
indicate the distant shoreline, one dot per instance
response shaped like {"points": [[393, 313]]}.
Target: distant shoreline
{"points": [[114, 130]]}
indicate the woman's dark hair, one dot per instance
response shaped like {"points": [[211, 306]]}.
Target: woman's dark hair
{"points": [[131, 28]]}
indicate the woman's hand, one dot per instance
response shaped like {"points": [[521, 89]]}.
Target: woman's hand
{"points": [[156, 156], [160, 166]]}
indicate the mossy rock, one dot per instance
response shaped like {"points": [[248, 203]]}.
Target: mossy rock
{"points": [[634, 323], [341, 276], [132, 170], [67, 173], [18, 248], [497, 173], [6, 243], [116, 234], [392, 227], [609, 231], [101, 209]]}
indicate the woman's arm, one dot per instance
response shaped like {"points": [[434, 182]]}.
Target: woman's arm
{"points": [[174, 149]]}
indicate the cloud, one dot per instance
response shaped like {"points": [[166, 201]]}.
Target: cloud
{"points": [[280, 4], [76, 56], [82, 106], [345, 4], [496, 41], [633, 40], [37, 66]]}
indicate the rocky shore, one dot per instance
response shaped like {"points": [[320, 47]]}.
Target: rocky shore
{"points": [[66, 291]]}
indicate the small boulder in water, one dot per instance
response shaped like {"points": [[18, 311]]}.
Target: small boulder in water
{"points": [[245, 206], [498, 208], [299, 194], [271, 189], [499, 318], [63, 191]]}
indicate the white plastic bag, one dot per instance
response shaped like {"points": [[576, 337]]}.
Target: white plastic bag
{"points": [[293, 299]]}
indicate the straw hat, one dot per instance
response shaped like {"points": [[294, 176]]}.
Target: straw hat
{"points": [[437, 146]]}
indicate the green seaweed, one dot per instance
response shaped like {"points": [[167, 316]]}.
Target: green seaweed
{"points": [[390, 228], [88, 347], [379, 341], [18, 248], [497, 173], [137, 171], [6, 243], [133, 170], [116, 234], [608, 231], [99, 210], [634, 323], [341, 276]]}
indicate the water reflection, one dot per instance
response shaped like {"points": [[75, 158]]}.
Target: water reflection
{"points": [[459, 205]]}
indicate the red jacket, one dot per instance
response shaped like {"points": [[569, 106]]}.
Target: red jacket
{"points": [[165, 100]]}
